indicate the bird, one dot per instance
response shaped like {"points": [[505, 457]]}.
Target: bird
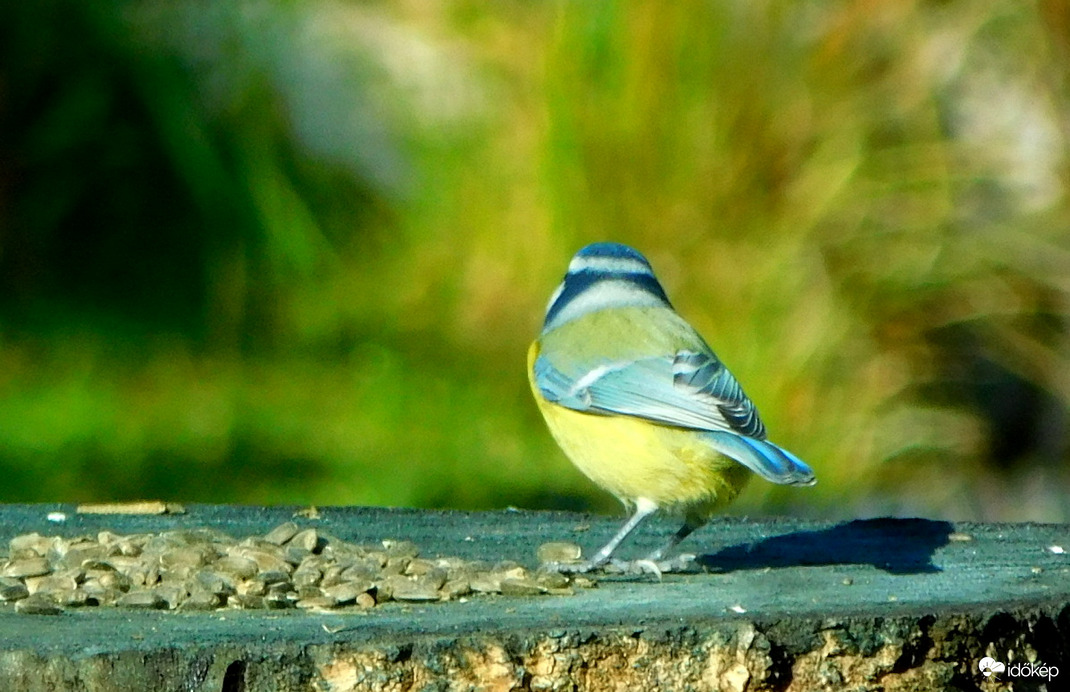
{"points": [[640, 403]]}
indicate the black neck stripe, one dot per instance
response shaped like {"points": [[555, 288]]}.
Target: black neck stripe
{"points": [[578, 283]]}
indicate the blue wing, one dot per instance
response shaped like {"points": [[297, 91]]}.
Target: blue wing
{"points": [[689, 390], [766, 459]]}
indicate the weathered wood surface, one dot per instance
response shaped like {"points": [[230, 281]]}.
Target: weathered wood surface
{"points": [[881, 604]]}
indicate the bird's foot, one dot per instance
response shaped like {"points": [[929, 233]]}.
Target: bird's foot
{"points": [[634, 567], [684, 563], [680, 564], [581, 567]]}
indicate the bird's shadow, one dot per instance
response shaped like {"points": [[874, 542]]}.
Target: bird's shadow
{"points": [[897, 546]]}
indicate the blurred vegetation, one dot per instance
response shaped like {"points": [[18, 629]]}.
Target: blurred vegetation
{"points": [[261, 251]]}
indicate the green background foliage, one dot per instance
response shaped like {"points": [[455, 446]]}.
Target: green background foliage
{"points": [[274, 252]]}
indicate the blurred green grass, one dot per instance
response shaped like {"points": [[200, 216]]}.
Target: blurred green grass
{"points": [[268, 252]]}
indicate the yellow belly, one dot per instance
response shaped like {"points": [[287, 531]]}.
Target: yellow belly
{"points": [[634, 458]]}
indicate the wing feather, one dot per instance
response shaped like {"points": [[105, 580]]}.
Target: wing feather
{"points": [[690, 390]]}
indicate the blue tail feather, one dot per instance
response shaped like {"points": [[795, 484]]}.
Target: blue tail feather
{"points": [[764, 458]]}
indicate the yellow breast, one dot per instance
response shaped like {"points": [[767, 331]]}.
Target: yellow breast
{"points": [[633, 458]]}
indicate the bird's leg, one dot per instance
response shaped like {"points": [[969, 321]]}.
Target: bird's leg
{"points": [[686, 530], [643, 509], [655, 563], [680, 563]]}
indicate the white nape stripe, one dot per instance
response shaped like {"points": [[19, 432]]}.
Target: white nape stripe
{"points": [[554, 296], [606, 294], [609, 265]]}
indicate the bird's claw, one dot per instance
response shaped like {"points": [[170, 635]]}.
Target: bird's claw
{"points": [[569, 567], [637, 567], [680, 564]]}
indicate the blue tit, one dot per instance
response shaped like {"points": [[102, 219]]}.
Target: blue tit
{"points": [[640, 403]]}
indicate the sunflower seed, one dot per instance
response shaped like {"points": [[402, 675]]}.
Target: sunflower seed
{"points": [[485, 583], [455, 588], [402, 588], [345, 592], [37, 604], [26, 567], [551, 580], [316, 603], [51, 583], [249, 601], [173, 595], [278, 601], [307, 577], [215, 582], [521, 587], [281, 533], [306, 539], [200, 599], [559, 551], [201, 568], [29, 545], [12, 589], [74, 598], [236, 566], [400, 549], [142, 599]]}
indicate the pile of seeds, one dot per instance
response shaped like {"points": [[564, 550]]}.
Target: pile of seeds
{"points": [[289, 567]]}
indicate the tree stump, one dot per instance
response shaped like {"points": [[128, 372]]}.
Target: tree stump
{"points": [[869, 604]]}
